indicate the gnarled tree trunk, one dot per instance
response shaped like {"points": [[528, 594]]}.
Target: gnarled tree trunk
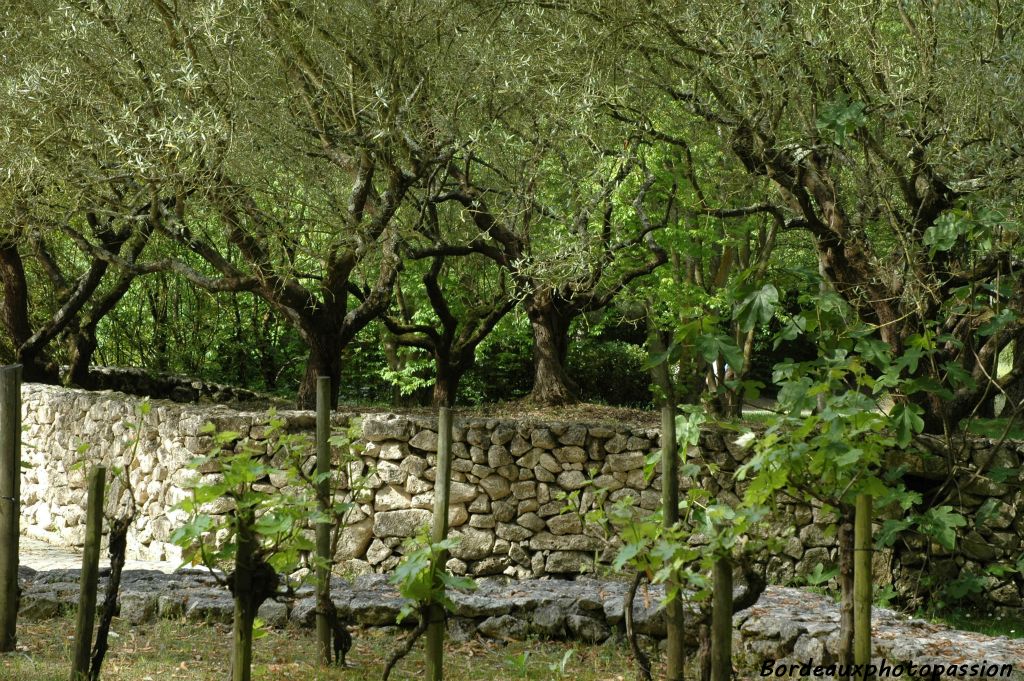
{"points": [[551, 382]]}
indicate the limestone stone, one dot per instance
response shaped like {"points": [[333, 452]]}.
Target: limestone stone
{"points": [[404, 523], [975, 546], [588, 629], [461, 493], [616, 444], [424, 501], [635, 479], [510, 472], [549, 509], [607, 482], [574, 435], [502, 435], [572, 480], [476, 436], [549, 463], [627, 461], [456, 566], [416, 486], [532, 521], [390, 427], [638, 443], [543, 474], [524, 490], [530, 459], [390, 473], [504, 628], [568, 523], [473, 543], [457, 515], [519, 446], [542, 437], [480, 504], [543, 541], [512, 532], [390, 498], [503, 511], [493, 565], [496, 487], [527, 506], [498, 456], [570, 454], [389, 451], [549, 620], [462, 465], [650, 499], [482, 521], [816, 535], [425, 440], [568, 561]]}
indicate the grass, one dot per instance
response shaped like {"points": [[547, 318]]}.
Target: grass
{"points": [[168, 650], [990, 625]]}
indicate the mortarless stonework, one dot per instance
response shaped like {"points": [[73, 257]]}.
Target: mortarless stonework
{"points": [[507, 498]]}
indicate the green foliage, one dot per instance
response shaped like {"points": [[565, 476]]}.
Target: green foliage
{"points": [[236, 501], [558, 668], [758, 308], [421, 575], [820, 575], [839, 120], [519, 664]]}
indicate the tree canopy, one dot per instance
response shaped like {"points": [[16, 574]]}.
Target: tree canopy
{"points": [[322, 180]]}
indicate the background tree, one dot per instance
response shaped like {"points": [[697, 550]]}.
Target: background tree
{"points": [[877, 152], [348, 127]]}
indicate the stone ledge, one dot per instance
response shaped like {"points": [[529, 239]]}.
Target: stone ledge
{"points": [[786, 624]]}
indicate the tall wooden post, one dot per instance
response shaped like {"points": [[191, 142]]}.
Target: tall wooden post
{"points": [[670, 502], [10, 502], [90, 574], [862, 581], [721, 620], [439, 532], [323, 529]]}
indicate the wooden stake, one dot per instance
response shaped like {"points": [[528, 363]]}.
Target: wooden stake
{"points": [[10, 502], [324, 628], [90, 574], [439, 532], [862, 581], [676, 647]]}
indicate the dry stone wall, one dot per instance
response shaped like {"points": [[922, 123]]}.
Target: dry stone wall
{"points": [[509, 488]]}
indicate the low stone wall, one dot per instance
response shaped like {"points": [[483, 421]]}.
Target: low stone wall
{"points": [[172, 387], [510, 480]]}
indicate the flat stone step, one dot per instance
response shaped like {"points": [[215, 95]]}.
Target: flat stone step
{"points": [[786, 625]]}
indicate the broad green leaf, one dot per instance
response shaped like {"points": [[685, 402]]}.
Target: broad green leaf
{"points": [[758, 308], [997, 323], [907, 421], [890, 530], [943, 234], [712, 346], [940, 523]]}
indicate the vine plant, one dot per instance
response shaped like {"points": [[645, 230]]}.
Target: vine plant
{"points": [[422, 578], [240, 526]]}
